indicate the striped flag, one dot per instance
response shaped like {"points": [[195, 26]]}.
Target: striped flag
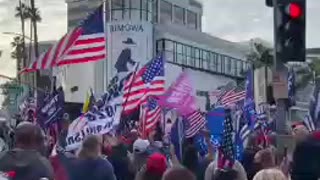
{"points": [[231, 97], [148, 81], [85, 43], [194, 123], [309, 123], [150, 115], [226, 155]]}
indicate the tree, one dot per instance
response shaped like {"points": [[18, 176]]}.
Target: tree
{"points": [[17, 52], [22, 13], [260, 56], [5, 92]]}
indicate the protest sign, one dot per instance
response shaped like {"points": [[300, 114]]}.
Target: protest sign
{"points": [[180, 96]]}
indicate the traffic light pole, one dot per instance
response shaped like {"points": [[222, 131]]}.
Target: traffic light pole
{"points": [[280, 69]]}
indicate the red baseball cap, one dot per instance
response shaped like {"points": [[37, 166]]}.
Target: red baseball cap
{"points": [[157, 163]]}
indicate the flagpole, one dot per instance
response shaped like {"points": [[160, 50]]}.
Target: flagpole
{"points": [[130, 87]]}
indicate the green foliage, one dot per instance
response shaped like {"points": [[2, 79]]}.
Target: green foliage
{"points": [[28, 13], [17, 52], [261, 56], [4, 88]]}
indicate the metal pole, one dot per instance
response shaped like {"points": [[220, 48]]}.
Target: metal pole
{"points": [[279, 67]]}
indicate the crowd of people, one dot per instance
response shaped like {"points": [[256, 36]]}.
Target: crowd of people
{"points": [[112, 157]]}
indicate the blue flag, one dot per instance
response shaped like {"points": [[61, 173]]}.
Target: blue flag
{"points": [[52, 109], [291, 87], [176, 136], [249, 105], [215, 119]]}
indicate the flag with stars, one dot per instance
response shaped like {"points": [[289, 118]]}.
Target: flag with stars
{"points": [[226, 156], [147, 81], [83, 44], [150, 115]]}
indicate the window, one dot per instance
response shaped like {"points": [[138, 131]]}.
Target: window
{"points": [[197, 58], [165, 12], [191, 19], [219, 64], [204, 60], [117, 9], [228, 65], [239, 68], [144, 9], [179, 15], [135, 9], [155, 10], [179, 54], [233, 66]]}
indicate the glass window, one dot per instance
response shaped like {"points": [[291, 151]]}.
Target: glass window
{"points": [[233, 66], [165, 12], [160, 46], [213, 62], [191, 19], [204, 60], [179, 53], [228, 65], [155, 10], [196, 58], [117, 9], [189, 58], [169, 46], [219, 63], [179, 15], [135, 9], [239, 68], [144, 10]]}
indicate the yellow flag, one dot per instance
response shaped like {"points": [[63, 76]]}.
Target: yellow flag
{"points": [[86, 104]]}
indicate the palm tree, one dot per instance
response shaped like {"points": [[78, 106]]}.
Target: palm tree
{"points": [[22, 13], [17, 52], [34, 15]]}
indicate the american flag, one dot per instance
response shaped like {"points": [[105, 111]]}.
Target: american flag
{"points": [[148, 81], [309, 123], [85, 43], [194, 123], [226, 156], [230, 98], [150, 115]]}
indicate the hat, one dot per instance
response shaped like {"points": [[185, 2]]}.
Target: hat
{"points": [[157, 163], [140, 145], [128, 41]]}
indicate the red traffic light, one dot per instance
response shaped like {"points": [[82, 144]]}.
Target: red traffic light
{"points": [[294, 10]]}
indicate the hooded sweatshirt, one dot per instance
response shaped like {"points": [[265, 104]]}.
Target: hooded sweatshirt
{"points": [[27, 164]]}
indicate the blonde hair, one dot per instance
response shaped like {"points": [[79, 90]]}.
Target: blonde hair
{"points": [[91, 147], [270, 174]]}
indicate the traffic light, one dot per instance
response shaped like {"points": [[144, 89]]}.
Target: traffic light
{"points": [[290, 17]]}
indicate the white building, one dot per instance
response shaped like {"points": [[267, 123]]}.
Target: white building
{"points": [[152, 27]]}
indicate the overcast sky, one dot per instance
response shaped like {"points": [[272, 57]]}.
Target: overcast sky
{"points": [[235, 20]]}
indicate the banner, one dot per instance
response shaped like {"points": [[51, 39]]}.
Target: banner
{"points": [[130, 43], [180, 96], [97, 122], [215, 119]]}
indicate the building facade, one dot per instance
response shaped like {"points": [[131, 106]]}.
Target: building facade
{"points": [[138, 30]]}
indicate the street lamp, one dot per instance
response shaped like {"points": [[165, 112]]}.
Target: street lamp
{"points": [[17, 34]]}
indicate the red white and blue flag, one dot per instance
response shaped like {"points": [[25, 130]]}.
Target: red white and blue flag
{"points": [[151, 114], [85, 43], [148, 81], [194, 123]]}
